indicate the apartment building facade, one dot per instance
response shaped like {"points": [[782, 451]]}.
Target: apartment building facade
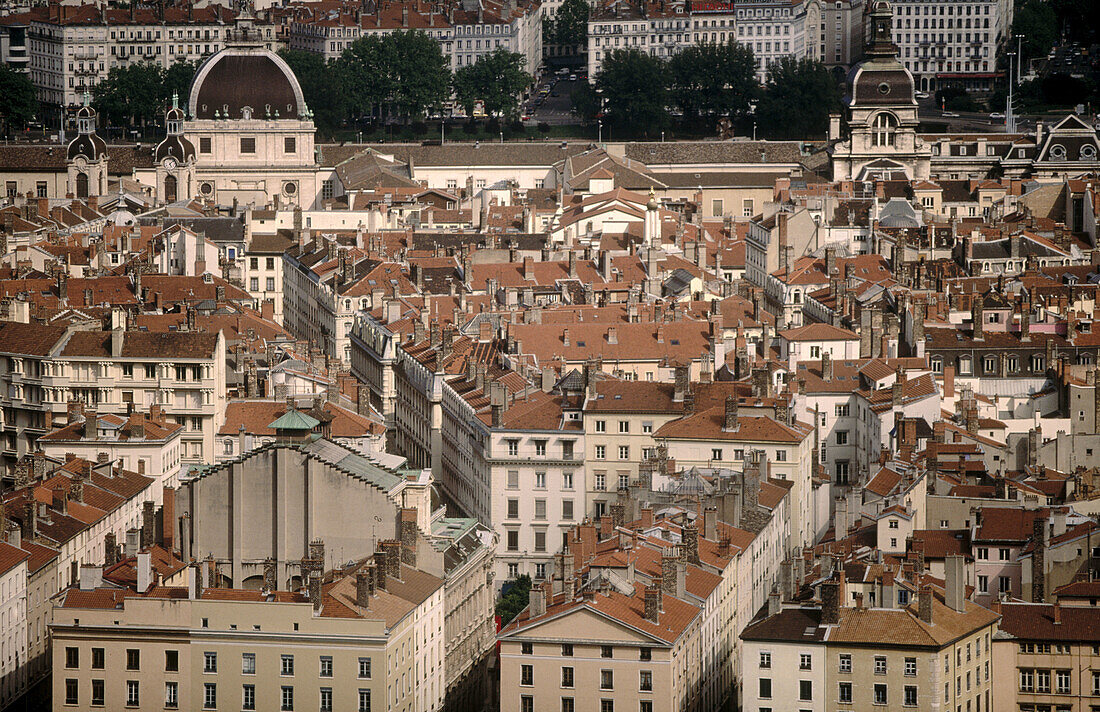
{"points": [[1047, 657], [952, 44], [14, 573], [352, 644], [72, 48], [463, 35], [45, 368], [923, 656]]}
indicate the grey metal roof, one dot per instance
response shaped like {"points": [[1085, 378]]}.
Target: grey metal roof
{"points": [[351, 462]]}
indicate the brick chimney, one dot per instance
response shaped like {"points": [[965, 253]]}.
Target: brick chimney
{"points": [[731, 413], [653, 603]]}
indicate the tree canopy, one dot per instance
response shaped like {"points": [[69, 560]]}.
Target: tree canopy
{"points": [[139, 93], [131, 94], [17, 100], [404, 70], [570, 25], [515, 600], [496, 79], [714, 79], [322, 86], [798, 96], [634, 88], [1038, 23]]}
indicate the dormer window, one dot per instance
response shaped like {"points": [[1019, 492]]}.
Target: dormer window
{"points": [[883, 129], [1058, 152]]}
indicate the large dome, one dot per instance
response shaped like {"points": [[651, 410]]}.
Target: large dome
{"points": [[246, 81], [881, 82]]}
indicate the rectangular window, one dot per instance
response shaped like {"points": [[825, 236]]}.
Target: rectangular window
{"points": [[290, 145], [204, 144], [527, 675], [765, 688], [269, 284], [645, 681], [72, 691], [805, 661], [567, 677], [526, 703], [287, 699], [540, 541], [326, 699], [72, 658], [133, 659], [98, 658], [513, 540], [607, 680], [845, 692], [326, 666], [513, 509], [910, 699], [540, 508], [845, 662], [133, 693], [98, 693], [513, 479], [540, 483], [606, 651], [209, 662], [880, 664], [624, 452], [248, 144], [364, 700], [567, 650], [880, 694], [567, 509], [248, 663], [624, 426], [171, 695], [765, 660], [805, 690], [41, 190], [210, 696], [364, 668]]}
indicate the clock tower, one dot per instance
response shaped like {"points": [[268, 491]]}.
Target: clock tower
{"points": [[175, 159], [882, 140]]}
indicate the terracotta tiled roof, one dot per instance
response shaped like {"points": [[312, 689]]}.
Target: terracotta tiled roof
{"points": [[708, 425], [1035, 621], [999, 524], [10, 557]]}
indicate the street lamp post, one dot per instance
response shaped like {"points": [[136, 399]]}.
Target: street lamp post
{"points": [[1019, 56], [1010, 118], [599, 131]]}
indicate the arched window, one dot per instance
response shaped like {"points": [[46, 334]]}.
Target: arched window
{"points": [[170, 189], [883, 129], [82, 185]]}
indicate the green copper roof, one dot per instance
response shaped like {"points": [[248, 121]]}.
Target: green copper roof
{"points": [[294, 420]]}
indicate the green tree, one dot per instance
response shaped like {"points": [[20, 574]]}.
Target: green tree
{"points": [[714, 79], [586, 102], [17, 100], [322, 87], [363, 73], [131, 94], [419, 72], [1038, 23], [497, 79], [634, 88], [511, 603], [571, 23], [799, 95], [177, 80]]}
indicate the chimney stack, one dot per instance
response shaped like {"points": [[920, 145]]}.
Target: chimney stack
{"points": [[653, 603]]}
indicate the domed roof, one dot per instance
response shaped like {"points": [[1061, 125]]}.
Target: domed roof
{"points": [[90, 146], [85, 112], [240, 77], [176, 147], [881, 82], [174, 114]]}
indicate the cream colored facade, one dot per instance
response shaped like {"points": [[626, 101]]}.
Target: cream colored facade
{"points": [[189, 387], [158, 458], [13, 625], [670, 666], [398, 667]]}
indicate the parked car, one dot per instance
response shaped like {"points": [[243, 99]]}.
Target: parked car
{"points": [[996, 115], [950, 114]]}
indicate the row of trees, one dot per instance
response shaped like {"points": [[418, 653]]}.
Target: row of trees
{"points": [[569, 27], [18, 104], [137, 94], [403, 74], [707, 82]]}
